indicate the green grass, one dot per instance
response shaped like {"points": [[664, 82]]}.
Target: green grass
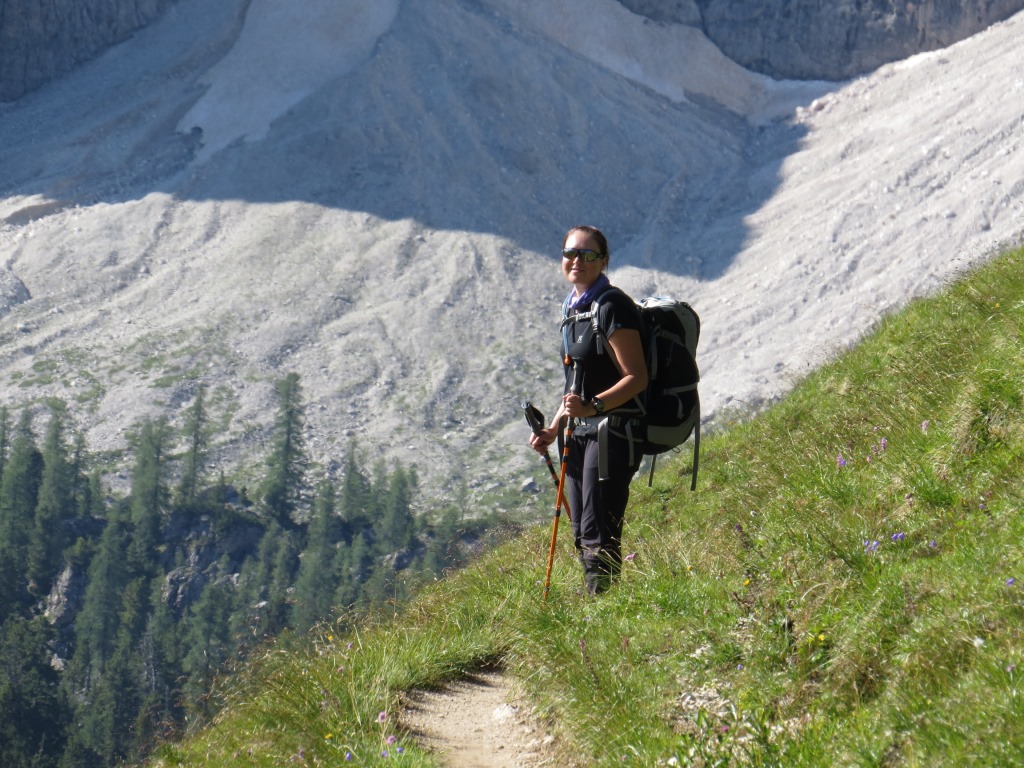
{"points": [[840, 590]]}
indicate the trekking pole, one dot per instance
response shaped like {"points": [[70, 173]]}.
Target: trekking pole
{"points": [[561, 484], [536, 421]]}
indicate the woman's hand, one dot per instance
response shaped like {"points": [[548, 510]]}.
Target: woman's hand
{"points": [[540, 441], [575, 406]]}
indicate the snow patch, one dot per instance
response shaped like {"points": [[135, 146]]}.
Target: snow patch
{"points": [[284, 52]]}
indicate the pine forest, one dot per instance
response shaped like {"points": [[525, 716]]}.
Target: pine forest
{"points": [[119, 614]]}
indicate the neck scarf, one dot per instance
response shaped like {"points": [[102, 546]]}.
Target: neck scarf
{"points": [[572, 300]]}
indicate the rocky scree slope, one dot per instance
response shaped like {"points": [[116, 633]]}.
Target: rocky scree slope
{"points": [[382, 216]]}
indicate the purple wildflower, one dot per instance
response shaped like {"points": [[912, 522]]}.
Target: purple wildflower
{"points": [[630, 557], [924, 426], [382, 717], [898, 536], [870, 546], [391, 739], [1011, 581], [348, 757], [840, 461]]}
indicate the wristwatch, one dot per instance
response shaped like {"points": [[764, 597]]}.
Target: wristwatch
{"points": [[598, 405]]}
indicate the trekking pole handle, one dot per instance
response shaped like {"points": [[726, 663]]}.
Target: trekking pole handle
{"points": [[536, 421], [533, 417]]}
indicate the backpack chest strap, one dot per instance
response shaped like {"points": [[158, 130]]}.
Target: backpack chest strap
{"points": [[591, 315]]}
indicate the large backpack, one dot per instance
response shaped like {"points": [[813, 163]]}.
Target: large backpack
{"points": [[671, 401]]}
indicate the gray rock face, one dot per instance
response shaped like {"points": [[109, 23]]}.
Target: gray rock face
{"points": [[827, 39], [42, 39], [667, 11], [787, 39]]}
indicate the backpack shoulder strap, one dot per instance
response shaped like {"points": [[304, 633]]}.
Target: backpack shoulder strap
{"points": [[594, 317], [591, 315]]}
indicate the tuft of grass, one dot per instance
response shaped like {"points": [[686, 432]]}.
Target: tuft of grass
{"points": [[841, 590]]}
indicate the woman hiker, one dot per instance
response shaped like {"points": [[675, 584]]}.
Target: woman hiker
{"points": [[604, 373]]}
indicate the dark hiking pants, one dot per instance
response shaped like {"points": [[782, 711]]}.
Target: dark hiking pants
{"points": [[598, 506]]}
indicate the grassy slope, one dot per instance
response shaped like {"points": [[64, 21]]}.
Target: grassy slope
{"points": [[791, 612]]}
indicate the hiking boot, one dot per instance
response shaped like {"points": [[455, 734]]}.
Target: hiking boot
{"points": [[596, 582]]}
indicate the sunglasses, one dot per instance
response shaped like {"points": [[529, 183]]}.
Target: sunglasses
{"points": [[583, 254]]}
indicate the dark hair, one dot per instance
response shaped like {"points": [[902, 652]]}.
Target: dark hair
{"points": [[593, 232]]}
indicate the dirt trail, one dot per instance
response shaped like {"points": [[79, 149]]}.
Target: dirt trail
{"points": [[479, 722]]}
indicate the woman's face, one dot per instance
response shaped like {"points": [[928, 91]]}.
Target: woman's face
{"points": [[582, 274]]}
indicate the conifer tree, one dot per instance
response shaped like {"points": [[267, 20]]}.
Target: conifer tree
{"points": [[287, 462], [77, 753], [396, 526], [196, 451], [161, 660], [32, 710], [92, 501], [250, 618], [356, 489], [438, 555], [149, 492], [99, 619], [113, 703], [115, 686], [263, 606], [55, 506], [376, 504], [245, 615], [360, 560], [282, 580], [316, 583], [19, 493], [346, 590], [80, 489], [208, 643]]}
